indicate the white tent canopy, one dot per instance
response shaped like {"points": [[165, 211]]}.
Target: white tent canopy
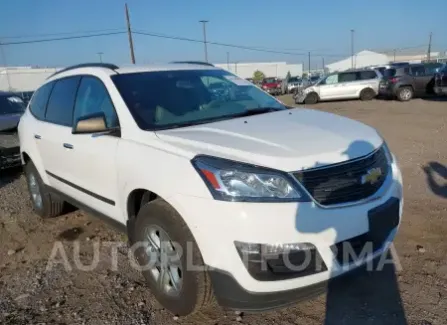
{"points": [[361, 59]]}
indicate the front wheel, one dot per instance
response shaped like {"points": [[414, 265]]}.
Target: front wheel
{"points": [[311, 98], [405, 94], [166, 248]]}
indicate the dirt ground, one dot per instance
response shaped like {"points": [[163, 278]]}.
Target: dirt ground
{"points": [[415, 293]]}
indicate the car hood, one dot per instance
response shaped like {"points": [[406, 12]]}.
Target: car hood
{"points": [[288, 140]]}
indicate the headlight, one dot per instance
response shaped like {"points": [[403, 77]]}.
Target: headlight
{"points": [[233, 181], [388, 154]]}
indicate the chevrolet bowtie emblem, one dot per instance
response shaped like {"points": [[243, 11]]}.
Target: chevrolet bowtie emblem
{"points": [[372, 176]]}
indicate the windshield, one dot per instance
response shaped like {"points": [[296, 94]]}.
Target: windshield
{"points": [[269, 80], [170, 99], [11, 105], [294, 79]]}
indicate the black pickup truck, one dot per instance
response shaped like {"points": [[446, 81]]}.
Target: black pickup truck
{"points": [[441, 81]]}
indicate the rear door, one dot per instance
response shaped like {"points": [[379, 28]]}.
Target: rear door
{"points": [[421, 78], [55, 133], [349, 84]]}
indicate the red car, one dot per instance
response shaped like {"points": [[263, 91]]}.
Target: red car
{"points": [[271, 85]]}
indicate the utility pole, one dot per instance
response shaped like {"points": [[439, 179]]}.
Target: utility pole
{"points": [[322, 59], [228, 61], [204, 38], [308, 73], [429, 48], [352, 48], [394, 55], [100, 56], [6, 66], [129, 33]]}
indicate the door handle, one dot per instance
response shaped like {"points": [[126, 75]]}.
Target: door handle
{"points": [[68, 146], [36, 136]]}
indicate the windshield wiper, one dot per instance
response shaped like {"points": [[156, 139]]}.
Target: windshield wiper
{"points": [[256, 111]]}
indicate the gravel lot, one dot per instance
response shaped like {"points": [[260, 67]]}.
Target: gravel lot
{"points": [[415, 293]]}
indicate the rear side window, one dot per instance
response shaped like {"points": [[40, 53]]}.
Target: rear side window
{"points": [[61, 102], [348, 76], [417, 71], [92, 98], [39, 101], [367, 75], [389, 73]]}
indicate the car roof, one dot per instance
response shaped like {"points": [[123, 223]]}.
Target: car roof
{"points": [[110, 69], [8, 93]]}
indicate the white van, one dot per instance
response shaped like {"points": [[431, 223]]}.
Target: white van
{"points": [[363, 84]]}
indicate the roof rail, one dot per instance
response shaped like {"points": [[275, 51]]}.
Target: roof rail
{"points": [[194, 62], [87, 65]]}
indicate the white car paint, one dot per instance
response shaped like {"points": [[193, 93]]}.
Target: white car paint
{"points": [[161, 162]]}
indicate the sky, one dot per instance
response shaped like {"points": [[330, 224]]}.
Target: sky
{"points": [[321, 27]]}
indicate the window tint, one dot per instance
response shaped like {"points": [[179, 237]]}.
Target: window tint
{"points": [[431, 69], [367, 75], [61, 102], [39, 101], [93, 97], [348, 76], [417, 71]]}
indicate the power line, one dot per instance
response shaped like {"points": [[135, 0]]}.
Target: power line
{"points": [[63, 33], [62, 38]]}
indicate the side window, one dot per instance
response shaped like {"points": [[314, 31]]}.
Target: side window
{"points": [[332, 79], [347, 77], [39, 101], [61, 102], [93, 97], [367, 75], [417, 71]]}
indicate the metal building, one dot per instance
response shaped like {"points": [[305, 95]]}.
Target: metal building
{"points": [[22, 79], [360, 60], [270, 69]]}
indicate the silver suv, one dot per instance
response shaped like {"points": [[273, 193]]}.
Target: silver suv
{"points": [[363, 84]]}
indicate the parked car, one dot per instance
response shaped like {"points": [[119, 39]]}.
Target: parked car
{"points": [[440, 87], [11, 109], [363, 84], [271, 85], [216, 197], [292, 84], [406, 82]]}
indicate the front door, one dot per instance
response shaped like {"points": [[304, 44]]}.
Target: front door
{"points": [[94, 155]]}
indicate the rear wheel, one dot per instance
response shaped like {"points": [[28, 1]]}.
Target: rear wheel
{"points": [[45, 204], [311, 98], [367, 94], [165, 245], [405, 94]]}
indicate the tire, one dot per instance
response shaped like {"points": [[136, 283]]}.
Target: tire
{"points": [[311, 98], [49, 205], [196, 290], [367, 94], [405, 93]]}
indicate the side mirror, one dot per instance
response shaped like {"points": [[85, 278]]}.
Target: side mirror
{"points": [[92, 123]]}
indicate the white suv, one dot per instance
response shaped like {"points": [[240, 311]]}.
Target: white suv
{"points": [[230, 180], [363, 84]]}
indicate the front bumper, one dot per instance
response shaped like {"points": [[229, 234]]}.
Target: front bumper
{"points": [[273, 91], [217, 225], [10, 158]]}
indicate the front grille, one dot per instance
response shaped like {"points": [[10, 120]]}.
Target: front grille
{"points": [[346, 182], [9, 158]]}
